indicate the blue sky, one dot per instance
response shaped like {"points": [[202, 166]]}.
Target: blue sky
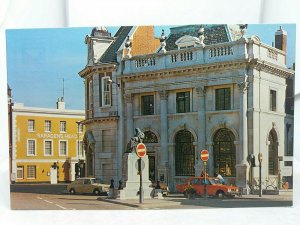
{"points": [[39, 59]]}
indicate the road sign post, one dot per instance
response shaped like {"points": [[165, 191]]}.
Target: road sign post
{"points": [[204, 157], [260, 157], [141, 152]]}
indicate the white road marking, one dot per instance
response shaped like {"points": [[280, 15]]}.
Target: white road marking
{"points": [[48, 201], [60, 206]]}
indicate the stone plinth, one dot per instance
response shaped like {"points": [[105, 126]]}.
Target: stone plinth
{"points": [[241, 177], [132, 178]]}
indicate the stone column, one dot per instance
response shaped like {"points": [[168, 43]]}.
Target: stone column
{"points": [[242, 166], [163, 164], [210, 163], [201, 128], [129, 116]]}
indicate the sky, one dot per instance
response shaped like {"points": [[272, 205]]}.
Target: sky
{"points": [[40, 62]]}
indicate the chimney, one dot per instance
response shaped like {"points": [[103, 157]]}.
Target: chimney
{"points": [[60, 104], [281, 39]]}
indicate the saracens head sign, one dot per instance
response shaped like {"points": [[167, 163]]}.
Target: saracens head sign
{"points": [[141, 150]]}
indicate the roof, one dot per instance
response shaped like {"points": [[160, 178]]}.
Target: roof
{"points": [[213, 34], [110, 55]]}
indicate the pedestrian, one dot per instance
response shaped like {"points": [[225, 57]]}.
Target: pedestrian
{"points": [[219, 178]]}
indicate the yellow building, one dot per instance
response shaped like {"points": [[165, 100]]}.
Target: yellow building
{"points": [[47, 144]]}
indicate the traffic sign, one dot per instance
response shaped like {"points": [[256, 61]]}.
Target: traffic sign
{"points": [[141, 150], [204, 155]]}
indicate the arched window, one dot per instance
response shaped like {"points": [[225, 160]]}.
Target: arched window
{"points": [[184, 154], [224, 152], [150, 137], [273, 153]]}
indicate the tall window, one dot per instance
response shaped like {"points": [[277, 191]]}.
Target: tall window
{"points": [[47, 126], [272, 100], [31, 172], [63, 126], [30, 125], [223, 99], [20, 172], [48, 148], [224, 152], [63, 148], [106, 91], [184, 154], [147, 105], [31, 148], [273, 153], [183, 102], [90, 94]]}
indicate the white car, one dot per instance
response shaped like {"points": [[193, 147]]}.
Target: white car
{"points": [[87, 185]]}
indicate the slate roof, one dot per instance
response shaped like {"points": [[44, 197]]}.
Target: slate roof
{"points": [[110, 55], [213, 34]]}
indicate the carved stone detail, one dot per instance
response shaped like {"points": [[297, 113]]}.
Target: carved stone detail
{"points": [[163, 94], [201, 91], [128, 97], [243, 85]]}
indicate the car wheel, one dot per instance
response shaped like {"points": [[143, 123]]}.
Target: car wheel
{"points": [[72, 191], [96, 192], [220, 194]]}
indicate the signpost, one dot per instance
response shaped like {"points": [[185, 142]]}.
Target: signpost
{"points": [[141, 152], [204, 155], [260, 160]]}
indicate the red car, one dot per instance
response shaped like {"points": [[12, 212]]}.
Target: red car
{"points": [[213, 188]]}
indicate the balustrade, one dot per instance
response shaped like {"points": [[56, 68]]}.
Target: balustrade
{"points": [[220, 51]]}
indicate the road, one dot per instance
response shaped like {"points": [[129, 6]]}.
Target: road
{"points": [[49, 197]]}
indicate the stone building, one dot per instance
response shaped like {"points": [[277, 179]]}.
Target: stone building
{"points": [[201, 87]]}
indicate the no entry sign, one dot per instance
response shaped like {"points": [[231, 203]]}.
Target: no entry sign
{"points": [[204, 155], [141, 150]]}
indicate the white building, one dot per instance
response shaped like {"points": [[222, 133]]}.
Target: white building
{"points": [[202, 87]]}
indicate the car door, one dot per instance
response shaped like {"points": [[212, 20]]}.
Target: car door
{"points": [[87, 186], [195, 182]]}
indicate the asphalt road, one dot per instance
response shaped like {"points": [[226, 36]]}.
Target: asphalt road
{"points": [[55, 197]]}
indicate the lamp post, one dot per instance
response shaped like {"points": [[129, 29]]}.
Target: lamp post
{"points": [[79, 163], [260, 161]]}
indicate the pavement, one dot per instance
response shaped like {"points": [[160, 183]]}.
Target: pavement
{"points": [[175, 200]]}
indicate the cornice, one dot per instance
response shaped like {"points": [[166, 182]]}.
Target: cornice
{"points": [[100, 119], [212, 67], [97, 69], [274, 69], [196, 69]]}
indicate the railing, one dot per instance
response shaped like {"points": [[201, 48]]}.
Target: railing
{"points": [[145, 62], [183, 56], [215, 53], [220, 51]]}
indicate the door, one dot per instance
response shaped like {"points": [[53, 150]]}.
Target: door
{"points": [[53, 175], [152, 170]]}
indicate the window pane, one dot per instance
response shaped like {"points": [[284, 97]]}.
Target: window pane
{"points": [[47, 125], [63, 126], [223, 99], [31, 147], [63, 148], [48, 147], [183, 102], [31, 172], [147, 105], [20, 172], [224, 153], [273, 100], [30, 125], [106, 92], [184, 154]]}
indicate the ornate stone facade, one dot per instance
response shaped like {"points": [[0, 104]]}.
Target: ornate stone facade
{"points": [[200, 93]]}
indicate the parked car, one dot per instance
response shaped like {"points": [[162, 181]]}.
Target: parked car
{"points": [[212, 187], [87, 185]]}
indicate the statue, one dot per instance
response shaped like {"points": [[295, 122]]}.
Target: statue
{"points": [[138, 138]]}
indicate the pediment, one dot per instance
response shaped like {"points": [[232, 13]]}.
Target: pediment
{"points": [[187, 41]]}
